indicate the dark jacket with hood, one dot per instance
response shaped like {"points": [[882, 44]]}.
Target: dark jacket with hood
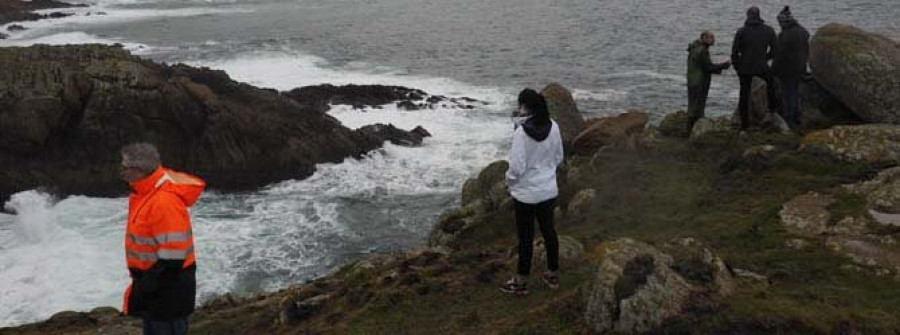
{"points": [[754, 45], [793, 52], [699, 65]]}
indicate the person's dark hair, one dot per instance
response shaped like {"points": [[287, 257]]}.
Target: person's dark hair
{"points": [[536, 105]]}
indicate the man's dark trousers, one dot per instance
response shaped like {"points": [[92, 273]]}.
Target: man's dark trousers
{"points": [[175, 327], [790, 104], [746, 90]]}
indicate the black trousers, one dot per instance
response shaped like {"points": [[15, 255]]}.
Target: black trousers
{"points": [[790, 97], [697, 95], [176, 327], [526, 214], [746, 88]]}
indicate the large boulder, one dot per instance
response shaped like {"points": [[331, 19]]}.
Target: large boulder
{"points": [[759, 115], [820, 109], [481, 195], [622, 131], [862, 69], [65, 111], [709, 127], [882, 193], [807, 214], [874, 144], [634, 290], [637, 287], [488, 189], [562, 108], [675, 125], [758, 105]]}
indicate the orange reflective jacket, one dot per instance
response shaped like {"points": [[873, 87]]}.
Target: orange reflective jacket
{"points": [[159, 229]]}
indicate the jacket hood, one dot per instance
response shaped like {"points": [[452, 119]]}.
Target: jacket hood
{"points": [[535, 131], [185, 186], [754, 21], [695, 44]]}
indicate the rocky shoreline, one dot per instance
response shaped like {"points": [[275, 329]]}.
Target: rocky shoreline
{"points": [[66, 111], [663, 229], [16, 10]]}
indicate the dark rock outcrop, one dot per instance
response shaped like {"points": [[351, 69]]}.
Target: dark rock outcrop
{"points": [[17, 10], [620, 131], [369, 96], [481, 195], [860, 68], [16, 27], [821, 110], [66, 111], [562, 108], [380, 133]]}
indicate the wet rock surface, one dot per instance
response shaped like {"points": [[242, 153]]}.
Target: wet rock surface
{"points": [[66, 111], [16, 10], [320, 97]]}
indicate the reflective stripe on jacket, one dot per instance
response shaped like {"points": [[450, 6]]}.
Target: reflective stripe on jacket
{"points": [[159, 245]]}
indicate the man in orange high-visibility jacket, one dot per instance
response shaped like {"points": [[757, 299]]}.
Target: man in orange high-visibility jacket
{"points": [[159, 246]]}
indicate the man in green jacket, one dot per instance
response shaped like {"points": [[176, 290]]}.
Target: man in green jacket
{"points": [[699, 75]]}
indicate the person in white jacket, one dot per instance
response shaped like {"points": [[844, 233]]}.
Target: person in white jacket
{"points": [[537, 151]]}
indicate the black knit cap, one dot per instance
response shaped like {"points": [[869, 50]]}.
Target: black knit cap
{"points": [[785, 17]]}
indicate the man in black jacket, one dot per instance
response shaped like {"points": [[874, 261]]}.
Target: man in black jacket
{"points": [[754, 46], [789, 65]]}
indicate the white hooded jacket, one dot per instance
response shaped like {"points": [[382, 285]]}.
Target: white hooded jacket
{"points": [[532, 166]]}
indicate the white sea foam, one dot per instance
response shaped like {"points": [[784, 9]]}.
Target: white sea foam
{"points": [[76, 37], [287, 70], [94, 16], [59, 256], [68, 255]]}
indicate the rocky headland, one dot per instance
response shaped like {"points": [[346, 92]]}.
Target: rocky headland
{"points": [[66, 111], [663, 229], [18, 10]]}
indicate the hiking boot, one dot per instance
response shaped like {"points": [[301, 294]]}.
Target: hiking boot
{"points": [[551, 279], [515, 286]]}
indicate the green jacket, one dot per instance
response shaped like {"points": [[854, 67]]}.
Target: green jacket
{"points": [[700, 66]]}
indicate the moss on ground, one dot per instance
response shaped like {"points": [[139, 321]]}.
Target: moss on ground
{"points": [[707, 190]]}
